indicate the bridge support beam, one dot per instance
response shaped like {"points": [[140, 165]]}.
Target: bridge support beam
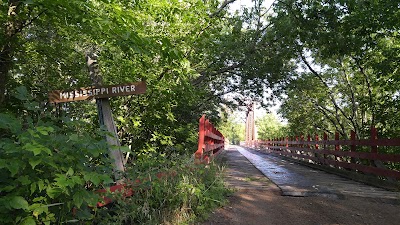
{"points": [[250, 125]]}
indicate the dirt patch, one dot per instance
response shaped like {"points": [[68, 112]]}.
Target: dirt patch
{"points": [[269, 207]]}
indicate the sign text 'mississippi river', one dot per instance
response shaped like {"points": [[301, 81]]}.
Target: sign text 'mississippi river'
{"points": [[97, 92]]}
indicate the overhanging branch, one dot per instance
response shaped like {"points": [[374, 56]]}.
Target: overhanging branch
{"points": [[222, 7]]}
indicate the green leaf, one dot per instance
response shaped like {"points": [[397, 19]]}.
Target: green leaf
{"points": [[34, 162], [92, 177], [18, 202], [33, 188], [45, 130], [74, 137], [24, 180], [121, 119], [36, 148], [32, 106], [125, 149], [77, 180], [95, 179], [78, 198], [28, 2], [29, 221], [33, 133], [92, 198], [53, 192], [38, 208], [21, 93], [3, 163], [38, 199], [52, 164], [40, 184], [8, 188], [70, 172], [13, 168], [106, 179], [62, 181], [10, 122]]}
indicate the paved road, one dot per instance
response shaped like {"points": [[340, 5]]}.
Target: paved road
{"points": [[293, 194]]}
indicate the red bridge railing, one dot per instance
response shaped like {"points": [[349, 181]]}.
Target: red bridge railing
{"points": [[211, 142], [354, 154]]}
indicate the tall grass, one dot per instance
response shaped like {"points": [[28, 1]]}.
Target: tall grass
{"points": [[186, 193]]}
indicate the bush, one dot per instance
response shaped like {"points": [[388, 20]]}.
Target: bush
{"points": [[48, 167]]}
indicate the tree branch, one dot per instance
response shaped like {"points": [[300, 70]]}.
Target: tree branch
{"points": [[371, 102], [204, 74], [325, 111], [27, 23], [337, 107], [224, 4], [354, 109]]}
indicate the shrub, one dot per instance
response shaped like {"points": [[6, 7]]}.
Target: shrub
{"points": [[48, 166]]}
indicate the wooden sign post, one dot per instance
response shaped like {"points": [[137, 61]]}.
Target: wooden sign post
{"points": [[101, 94]]}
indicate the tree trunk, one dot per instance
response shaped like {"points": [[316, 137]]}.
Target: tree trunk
{"points": [[5, 65], [7, 48]]}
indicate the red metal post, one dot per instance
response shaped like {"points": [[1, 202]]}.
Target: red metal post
{"points": [[325, 145], [200, 148], [352, 146], [209, 140], [317, 146], [337, 147], [352, 138], [287, 142], [374, 137]]}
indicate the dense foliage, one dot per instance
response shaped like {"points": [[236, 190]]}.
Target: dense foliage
{"points": [[48, 166], [332, 64], [232, 128], [145, 40], [52, 157], [348, 54], [269, 127]]}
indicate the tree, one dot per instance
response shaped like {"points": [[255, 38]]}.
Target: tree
{"points": [[347, 57], [154, 41], [269, 127], [232, 129], [43, 47]]}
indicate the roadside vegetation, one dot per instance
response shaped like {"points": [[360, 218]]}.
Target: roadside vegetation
{"points": [[51, 169], [332, 64], [187, 194]]}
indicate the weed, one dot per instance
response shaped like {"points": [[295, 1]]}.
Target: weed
{"points": [[186, 193]]}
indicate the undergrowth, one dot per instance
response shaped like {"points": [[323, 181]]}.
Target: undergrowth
{"points": [[184, 194], [51, 167]]}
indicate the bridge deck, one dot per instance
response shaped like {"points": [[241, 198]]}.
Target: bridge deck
{"points": [[328, 199], [297, 180]]}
